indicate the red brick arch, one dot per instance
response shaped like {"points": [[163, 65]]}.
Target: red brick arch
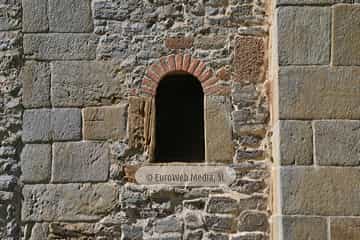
{"points": [[180, 63]]}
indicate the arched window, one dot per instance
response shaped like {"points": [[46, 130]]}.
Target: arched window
{"points": [[179, 128]]}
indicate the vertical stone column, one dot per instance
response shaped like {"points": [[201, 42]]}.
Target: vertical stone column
{"points": [[316, 127]]}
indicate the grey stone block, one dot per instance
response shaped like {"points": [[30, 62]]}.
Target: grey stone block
{"points": [[78, 83], [36, 163], [346, 35], [293, 142], [319, 93], [10, 12], [345, 228], [80, 162], [330, 191], [337, 142], [8, 183], [36, 84], [58, 46], [70, 16], [303, 35], [311, 2], [35, 16], [68, 202], [301, 227], [37, 125], [66, 124]]}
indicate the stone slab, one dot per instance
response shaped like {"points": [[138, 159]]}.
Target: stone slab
{"points": [[80, 162], [319, 93], [293, 142], [36, 84], [83, 83], [60, 46], [36, 163], [303, 35], [345, 228], [70, 16], [103, 123], [218, 129], [311, 2], [35, 16], [346, 35], [37, 125], [68, 202], [337, 142], [321, 191]]}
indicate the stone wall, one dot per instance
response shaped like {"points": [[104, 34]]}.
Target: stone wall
{"points": [[316, 108], [88, 84]]}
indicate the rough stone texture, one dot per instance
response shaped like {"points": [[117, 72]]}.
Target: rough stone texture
{"points": [[70, 16], [36, 163], [80, 162], [35, 18], [344, 228], [37, 125], [320, 191], [102, 123], [344, 138], [82, 83], [79, 202], [311, 2], [249, 59], [136, 122], [346, 36], [39, 231], [319, 93], [60, 46], [253, 221], [304, 35], [293, 142], [218, 133], [36, 84], [10, 15]]}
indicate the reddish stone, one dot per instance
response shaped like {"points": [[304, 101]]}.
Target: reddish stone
{"points": [[171, 63], [194, 63], [206, 75], [200, 68], [152, 75], [218, 90], [223, 74], [130, 171], [157, 69], [148, 91], [178, 61], [148, 82], [164, 64], [186, 62], [179, 42], [210, 82]]}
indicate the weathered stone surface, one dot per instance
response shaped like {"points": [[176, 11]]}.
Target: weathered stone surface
{"points": [[337, 142], [83, 83], [78, 202], [37, 125], [193, 220], [222, 204], [60, 46], [303, 35], [311, 2], [346, 37], [250, 221], [36, 84], [210, 41], [70, 16], [179, 42], [10, 15], [218, 129], [320, 191], [36, 163], [215, 236], [66, 124], [34, 18], [249, 59], [345, 228], [103, 123], [299, 227], [250, 236], [80, 162], [39, 231], [319, 93], [136, 121], [221, 223], [8, 183], [168, 224], [293, 142]]}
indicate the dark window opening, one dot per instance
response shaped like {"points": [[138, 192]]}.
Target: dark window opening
{"points": [[179, 120]]}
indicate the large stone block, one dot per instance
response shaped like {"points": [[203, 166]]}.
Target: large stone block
{"points": [[293, 142], [303, 35], [345, 228], [37, 125], [218, 129], [311, 2], [36, 163], [80, 162], [35, 16], [70, 16], [346, 35], [320, 191], [337, 142], [59, 46], [102, 123], [319, 93], [36, 84], [300, 227], [68, 202], [82, 83]]}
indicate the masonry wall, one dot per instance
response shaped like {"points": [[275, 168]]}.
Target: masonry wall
{"points": [[79, 79], [316, 112]]}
